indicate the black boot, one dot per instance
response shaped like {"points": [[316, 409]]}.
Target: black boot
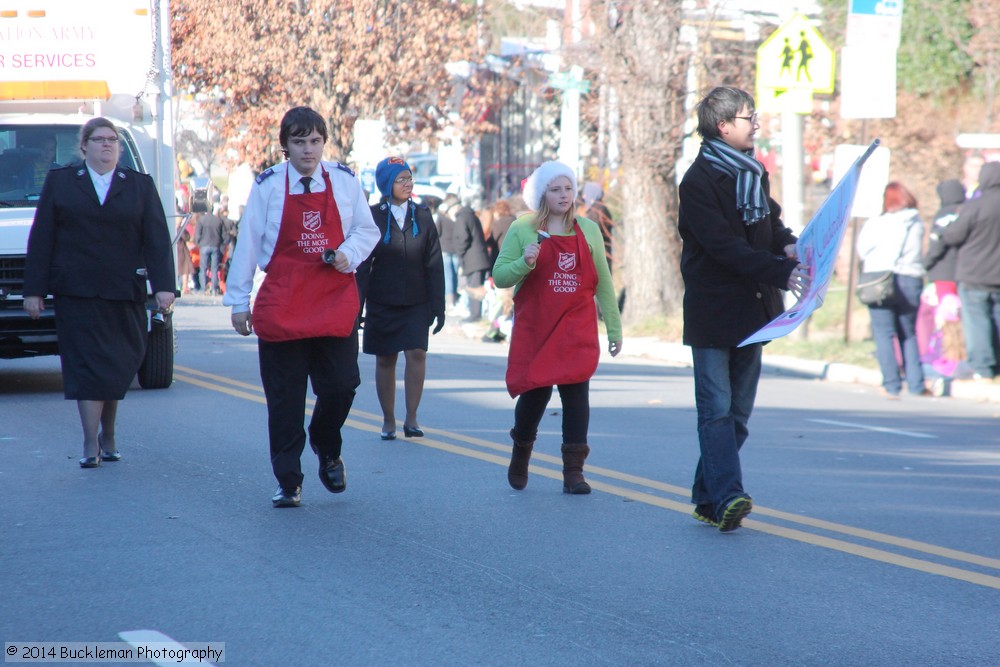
{"points": [[517, 471], [574, 454]]}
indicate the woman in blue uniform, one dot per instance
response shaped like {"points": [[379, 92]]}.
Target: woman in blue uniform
{"points": [[99, 233], [402, 289]]}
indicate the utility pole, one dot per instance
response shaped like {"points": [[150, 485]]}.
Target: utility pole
{"points": [[569, 138]]}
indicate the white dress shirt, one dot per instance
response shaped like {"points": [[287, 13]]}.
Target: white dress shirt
{"points": [[262, 219], [102, 183], [399, 213]]}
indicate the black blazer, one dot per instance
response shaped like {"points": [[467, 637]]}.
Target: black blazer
{"points": [[471, 241], [408, 270], [732, 272], [77, 247]]}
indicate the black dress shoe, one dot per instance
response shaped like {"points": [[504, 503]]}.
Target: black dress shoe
{"points": [[287, 497], [333, 475], [90, 462], [413, 432], [107, 456]]}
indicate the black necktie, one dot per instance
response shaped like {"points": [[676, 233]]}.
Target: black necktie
{"points": [[306, 180]]}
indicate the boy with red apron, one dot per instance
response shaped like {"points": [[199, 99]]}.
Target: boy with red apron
{"points": [[305, 314]]}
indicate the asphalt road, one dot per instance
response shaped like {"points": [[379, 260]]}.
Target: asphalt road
{"points": [[875, 538]]}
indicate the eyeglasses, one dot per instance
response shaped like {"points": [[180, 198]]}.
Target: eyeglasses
{"points": [[104, 140], [406, 180], [752, 118]]}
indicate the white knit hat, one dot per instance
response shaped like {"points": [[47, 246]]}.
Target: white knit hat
{"points": [[535, 185]]}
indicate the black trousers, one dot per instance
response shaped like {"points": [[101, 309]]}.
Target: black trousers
{"points": [[332, 366], [530, 409]]}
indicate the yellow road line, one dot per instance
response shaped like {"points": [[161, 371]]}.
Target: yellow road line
{"points": [[236, 388]]}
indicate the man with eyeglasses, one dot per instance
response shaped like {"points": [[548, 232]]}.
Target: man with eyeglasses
{"points": [[737, 256]]}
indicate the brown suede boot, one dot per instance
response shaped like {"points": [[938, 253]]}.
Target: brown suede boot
{"points": [[574, 454], [517, 471]]}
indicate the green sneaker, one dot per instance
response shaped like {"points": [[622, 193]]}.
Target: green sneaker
{"points": [[703, 513], [734, 513]]}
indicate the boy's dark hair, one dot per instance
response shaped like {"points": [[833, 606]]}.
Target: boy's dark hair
{"points": [[721, 103], [300, 122]]}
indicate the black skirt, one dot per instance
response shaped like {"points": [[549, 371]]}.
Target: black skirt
{"points": [[101, 346], [392, 329]]}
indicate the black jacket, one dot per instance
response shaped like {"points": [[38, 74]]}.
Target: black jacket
{"points": [[408, 270], [940, 259], [976, 233], [209, 231], [446, 233], [77, 247], [471, 241], [600, 214], [500, 227], [732, 272]]}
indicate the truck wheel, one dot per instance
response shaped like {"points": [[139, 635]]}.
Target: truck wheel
{"points": [[157, 370]]}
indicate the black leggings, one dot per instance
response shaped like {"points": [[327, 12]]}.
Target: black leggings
{"points": [[530, 409]]}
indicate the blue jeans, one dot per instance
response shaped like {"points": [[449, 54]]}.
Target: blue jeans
{"points": [[725, 387], [897, 321], [210, 258], [451, 264], [981, 326]]}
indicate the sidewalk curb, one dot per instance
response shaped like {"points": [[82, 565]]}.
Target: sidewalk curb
{"points": [[676, 353]]}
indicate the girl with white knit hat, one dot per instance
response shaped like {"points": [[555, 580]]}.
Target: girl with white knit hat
{"points": [[556, 263]]}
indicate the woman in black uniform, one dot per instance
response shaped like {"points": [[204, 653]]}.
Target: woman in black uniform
{"points": [[99, 233], [401, 285]]}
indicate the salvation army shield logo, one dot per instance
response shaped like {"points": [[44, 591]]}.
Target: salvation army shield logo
{"points": [[567, 261], [312, 220]]}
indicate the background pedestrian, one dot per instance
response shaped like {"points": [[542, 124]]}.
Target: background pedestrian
{"points": [[893, 241]]}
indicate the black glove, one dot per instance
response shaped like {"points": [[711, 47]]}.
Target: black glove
{"points": [[440, 322]]}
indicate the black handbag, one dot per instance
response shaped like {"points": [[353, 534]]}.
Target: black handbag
{"points": [[876, 288]]}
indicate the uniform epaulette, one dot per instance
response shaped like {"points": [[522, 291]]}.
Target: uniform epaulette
{"points": [[344, 167], [264, 175]]}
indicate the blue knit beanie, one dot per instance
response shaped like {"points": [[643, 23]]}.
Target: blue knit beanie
{"points": [[387, 171]]}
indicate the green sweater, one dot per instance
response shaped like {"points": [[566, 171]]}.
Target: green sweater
{"points": [[511, 269]]}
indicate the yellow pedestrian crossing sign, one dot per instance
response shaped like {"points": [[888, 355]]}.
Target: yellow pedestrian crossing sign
{"points": [[796, 56]]}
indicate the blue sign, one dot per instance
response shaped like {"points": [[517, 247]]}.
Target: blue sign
{"points": [[367, 177], [817, 248], [877, 7]]}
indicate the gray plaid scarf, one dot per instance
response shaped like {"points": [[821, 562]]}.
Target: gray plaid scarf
{"points": [[746, 171]]}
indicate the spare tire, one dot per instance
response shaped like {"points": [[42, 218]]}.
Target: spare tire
{"points": [[157, 370]]}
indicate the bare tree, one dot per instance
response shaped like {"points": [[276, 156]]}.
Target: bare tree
{"points": [[645, 62], [348, 60]]}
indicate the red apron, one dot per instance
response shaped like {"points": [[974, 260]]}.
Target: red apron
{"points": [[554, 340], [301, 297]]}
